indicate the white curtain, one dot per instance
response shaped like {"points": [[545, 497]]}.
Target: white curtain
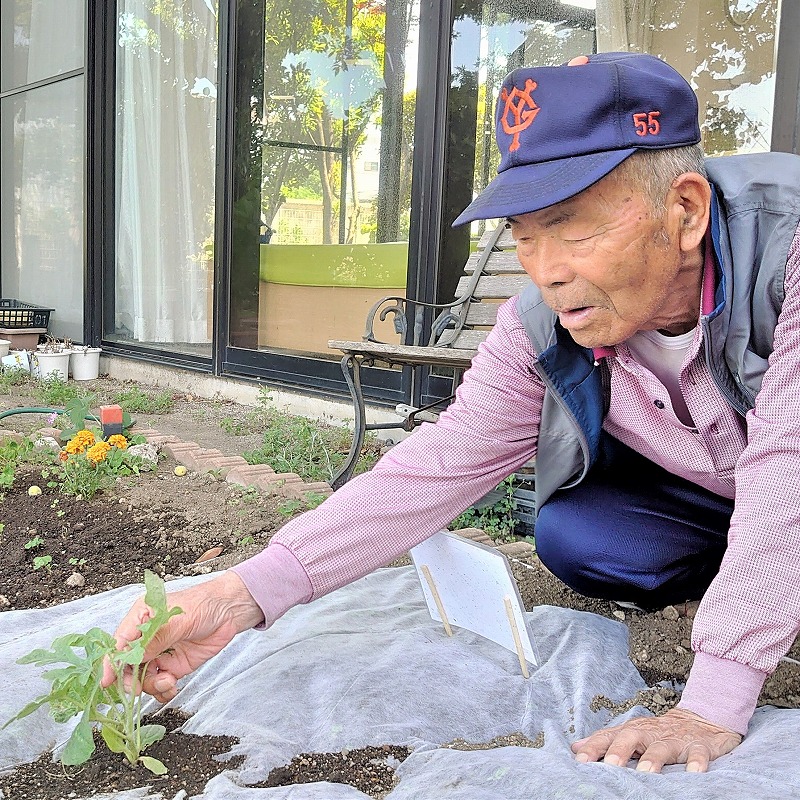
{"points": [[624, 25], [166, 101]]}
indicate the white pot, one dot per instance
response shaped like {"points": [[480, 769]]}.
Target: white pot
{"points": [[84, 363], [51, 365], [4, 345]]}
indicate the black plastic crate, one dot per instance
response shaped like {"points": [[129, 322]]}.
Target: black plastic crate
{"points": [[16, 314]]}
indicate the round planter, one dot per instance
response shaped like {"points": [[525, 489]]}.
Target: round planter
{"points": [[51, 365], [4, 346], [84, 363]]}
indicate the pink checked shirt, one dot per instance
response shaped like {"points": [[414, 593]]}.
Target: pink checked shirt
{"points": [[750, 614]]}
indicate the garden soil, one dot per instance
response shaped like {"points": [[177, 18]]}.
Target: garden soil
{"points": [[182, 526]]}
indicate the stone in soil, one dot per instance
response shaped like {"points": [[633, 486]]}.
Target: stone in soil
{"points": [[190, 760]]}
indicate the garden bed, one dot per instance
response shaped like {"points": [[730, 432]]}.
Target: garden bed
{"points": [[166, 523]]}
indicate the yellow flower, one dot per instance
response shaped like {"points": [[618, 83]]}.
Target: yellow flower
{"points": [[97, 452], [80, 441], [118, 440]]}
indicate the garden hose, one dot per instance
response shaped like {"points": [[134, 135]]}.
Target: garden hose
{"points": [[35, 410]]}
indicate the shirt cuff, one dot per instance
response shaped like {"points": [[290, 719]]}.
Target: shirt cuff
{"points": [[276, 580], [722, 691]]}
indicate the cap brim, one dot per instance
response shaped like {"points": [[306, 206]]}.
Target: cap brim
{"points": [[531, 187]]}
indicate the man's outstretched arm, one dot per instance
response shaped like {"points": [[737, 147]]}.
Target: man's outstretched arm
{"points": [[213, 613]]}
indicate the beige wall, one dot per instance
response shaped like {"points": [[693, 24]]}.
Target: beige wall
{"points": [[303, 318]]}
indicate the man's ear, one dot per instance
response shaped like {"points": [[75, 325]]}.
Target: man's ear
{"points": [[689, 197]]}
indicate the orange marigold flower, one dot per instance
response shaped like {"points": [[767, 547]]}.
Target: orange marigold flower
{"points": [[80, 441], [118, 440], [97, 452], [64, 456]]}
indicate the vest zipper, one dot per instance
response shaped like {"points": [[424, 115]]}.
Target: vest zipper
{"points": [[733, 402]]}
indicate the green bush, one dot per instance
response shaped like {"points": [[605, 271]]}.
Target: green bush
{"points": [[495, 520]]}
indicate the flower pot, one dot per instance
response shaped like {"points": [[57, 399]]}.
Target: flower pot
{"points": [[51, 365], [84, 363], [4, 346]]}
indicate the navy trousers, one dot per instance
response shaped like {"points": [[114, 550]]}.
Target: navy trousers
{"points": [[632, 531]]}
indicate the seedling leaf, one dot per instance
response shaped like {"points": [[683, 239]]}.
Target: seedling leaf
{"points": [[154, 765], [80, 745], [113, 739], [150, 734]]}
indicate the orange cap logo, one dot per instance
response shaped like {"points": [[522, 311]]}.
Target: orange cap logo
{"points": [[524, 110]]}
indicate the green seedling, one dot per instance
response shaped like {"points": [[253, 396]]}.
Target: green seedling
{"points": [[288, 507], [43, 561], [77, 562], [36, 541], [76, 688]]}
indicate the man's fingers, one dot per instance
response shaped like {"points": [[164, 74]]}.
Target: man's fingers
{"points": [[656, 756], [594, 747], [161, 685], [697, 758]]}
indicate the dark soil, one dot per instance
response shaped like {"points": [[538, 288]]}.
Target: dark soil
{"points": [[369, 769], [658, 643], [155, 521], [190, 761]]}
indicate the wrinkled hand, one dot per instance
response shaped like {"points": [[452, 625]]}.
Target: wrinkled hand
{"points": [[213, 613], [677, 737]]}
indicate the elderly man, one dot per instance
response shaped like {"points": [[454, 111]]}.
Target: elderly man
{"points": [[651, 368]]}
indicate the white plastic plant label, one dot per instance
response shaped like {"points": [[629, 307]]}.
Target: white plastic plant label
{"points": [[473, 586]]}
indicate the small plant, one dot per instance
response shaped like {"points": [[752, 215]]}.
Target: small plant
{"points": [[53, 345], [33, 543], [75, 688], [289, 507], [313, 499], [52, 391], [247, 540], [135, 400], [495, 520], [13, 376], [76, 562], [88, 465], [43, 561]]}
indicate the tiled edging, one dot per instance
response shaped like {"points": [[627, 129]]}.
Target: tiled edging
{"points": [[235, 469]]}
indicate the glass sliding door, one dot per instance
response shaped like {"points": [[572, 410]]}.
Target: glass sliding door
{"points": [[321, 231], [166, 78], [42, 158]]}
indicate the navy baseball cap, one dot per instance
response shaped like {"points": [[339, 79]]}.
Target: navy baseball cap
{"points": [[561, 129]]}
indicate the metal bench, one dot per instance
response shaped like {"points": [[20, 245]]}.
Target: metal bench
{"points": [[492, 274]]}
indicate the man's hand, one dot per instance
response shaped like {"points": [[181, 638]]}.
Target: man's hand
{"points": [[213, 613], [677, 737]]}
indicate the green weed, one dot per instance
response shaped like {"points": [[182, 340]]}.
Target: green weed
{"points": [[313, 450], [13, 377], [75, 688], [135, 400], [495, 520], [54, 392], [43, 561]]}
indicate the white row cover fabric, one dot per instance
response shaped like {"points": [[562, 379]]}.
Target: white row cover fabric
{"points": [[366, 665]]}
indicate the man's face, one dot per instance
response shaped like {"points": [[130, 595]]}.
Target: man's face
{"points": [[605, 265]]}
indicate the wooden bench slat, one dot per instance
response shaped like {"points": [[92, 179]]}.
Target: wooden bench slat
{"points": [[503, 262], [406, 354], [482, 314], [505, 242], [469, 340], [497, 286]]}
